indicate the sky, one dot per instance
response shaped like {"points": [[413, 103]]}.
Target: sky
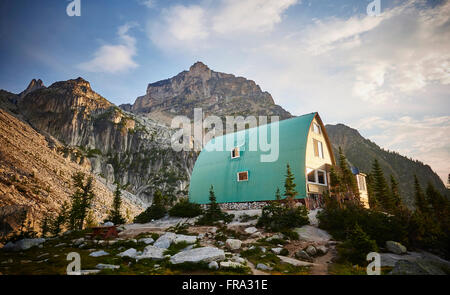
{"points": [[387, 75]]}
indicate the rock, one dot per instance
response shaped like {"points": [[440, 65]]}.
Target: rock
{"points": [[262, 266], [395, 247], [98, 253], [256, 235], [128, 253], [275, 237], [232, 264], [107, 266], [233, 244], [152, 252], [109, 223], [417, 267], [185, 238], [146, 241], [262, 249], [303, 256], [206, 254], [293, 261], [321, 250], [23, 244], [188, 248], [251, 230], [212, 230], [60, 245], [78, 242], [238, 259], [89, 272], [213, 265], [165, 240], [276, 250], [311, 250], [312, 234], [312, 216]]}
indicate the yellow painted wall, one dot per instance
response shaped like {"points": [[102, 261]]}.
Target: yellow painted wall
{"points": [[315, 162]]}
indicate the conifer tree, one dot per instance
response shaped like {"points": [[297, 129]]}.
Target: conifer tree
{"points": [[81, 200], [348, 179], [440, 205], [373, 202], [420, 200], [278, 195], [380, 187], [45, 225], [289, 187], [60, 220], [115, 216], [395, 199]]}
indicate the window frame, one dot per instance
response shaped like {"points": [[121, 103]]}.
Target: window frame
{"points": [[238, 153], [238, 179], [316, 176], [316, 128]]}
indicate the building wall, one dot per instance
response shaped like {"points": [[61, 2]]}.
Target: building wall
{"points": [[314, 162]]}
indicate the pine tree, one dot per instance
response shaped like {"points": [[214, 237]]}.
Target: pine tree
{"points": [[214, 208], [348, 179], [380, 187], [45, 226], [420, 200], [115, 216], [395, 199], [278, 195], [289, 186], [81, 200], [373, 202], [439, 205], [58, 223]]}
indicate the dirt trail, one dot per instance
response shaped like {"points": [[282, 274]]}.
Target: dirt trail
{"points": [[321, 263]]}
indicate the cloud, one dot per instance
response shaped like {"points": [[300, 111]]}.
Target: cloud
{"points": [[148, 3], [350, 69], [425, 139], [114, 58], [186, 26]]}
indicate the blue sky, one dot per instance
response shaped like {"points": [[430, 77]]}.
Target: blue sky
{"points": [[387, 75]]}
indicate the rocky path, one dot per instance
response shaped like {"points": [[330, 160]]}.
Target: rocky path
{"points": [[321, 263]]}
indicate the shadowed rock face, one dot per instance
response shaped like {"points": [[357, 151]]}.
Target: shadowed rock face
{"points": [[117, 145], [216, 93]]}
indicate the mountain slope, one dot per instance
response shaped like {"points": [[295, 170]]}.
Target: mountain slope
{"points": [[35, 176], [216, 93], [361, 152]]}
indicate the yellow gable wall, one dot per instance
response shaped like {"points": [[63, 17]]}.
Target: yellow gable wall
{"points": [[312, 161]]}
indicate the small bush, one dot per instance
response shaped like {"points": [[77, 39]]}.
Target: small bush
{"points": [[214, 213], [276, 217], [184, 208], [292, 235], [284, 252], [356, 248], [152, 212]]}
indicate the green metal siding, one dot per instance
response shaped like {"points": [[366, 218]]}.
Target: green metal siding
{"points": [[217, 168]]}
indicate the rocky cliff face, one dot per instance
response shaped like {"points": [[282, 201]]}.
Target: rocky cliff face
{"points": [[216, 93], [35, 176], [115, 144]]}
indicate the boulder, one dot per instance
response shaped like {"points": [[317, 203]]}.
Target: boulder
{"points": [[128, 253], [213, 265], [276, 250], [146, 241], [311, 250], [303, 256], [78, 242], [152, 252], [165, 240], [109, 223], [417, 267], [98, 253], [395, 247], [321, 250], [233, 244], [276, 236], [205, 254], [293, 261], [312, 234], [23, 244], [107, 266], [230, 264], [263, 266], [251, 230], [185, 238]]}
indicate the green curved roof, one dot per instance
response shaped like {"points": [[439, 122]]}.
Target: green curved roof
{"points": [[217, 168]]}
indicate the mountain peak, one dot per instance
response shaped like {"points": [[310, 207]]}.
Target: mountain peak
{"points": [[32, 86], [199, 67]]}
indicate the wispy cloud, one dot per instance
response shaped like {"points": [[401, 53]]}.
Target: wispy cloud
{"points": [[349, 69], [114, 58], [425, 139]]}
